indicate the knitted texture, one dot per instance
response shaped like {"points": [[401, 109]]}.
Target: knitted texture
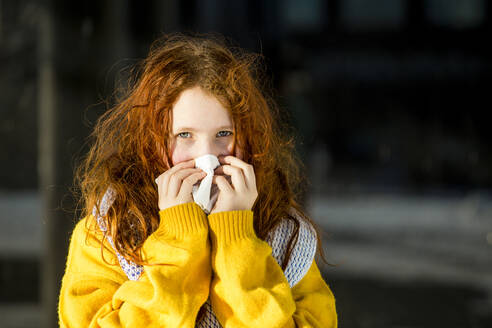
{"points": [[299, 263]]}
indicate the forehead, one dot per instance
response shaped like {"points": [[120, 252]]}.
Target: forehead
{"points": [[200, 110]]}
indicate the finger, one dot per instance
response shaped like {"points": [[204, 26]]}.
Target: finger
{"points": [[176, 180], [167, 175], [181, 165], [248, 169], [219, 170], [222, 183], [228, 177], [238, 180], [187, 184], [161, 182]]}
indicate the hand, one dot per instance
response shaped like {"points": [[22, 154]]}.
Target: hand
{"points": [[175, 185], [242, 194]]}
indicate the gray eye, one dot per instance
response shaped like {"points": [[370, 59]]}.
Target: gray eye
{"points": [[181, 134], [228, 133]]}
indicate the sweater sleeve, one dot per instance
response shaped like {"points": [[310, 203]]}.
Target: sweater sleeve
{"points": [[249, 288], [170, 291]]}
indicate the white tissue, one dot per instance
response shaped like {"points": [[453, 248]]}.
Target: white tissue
{"points": [[206, 194]]}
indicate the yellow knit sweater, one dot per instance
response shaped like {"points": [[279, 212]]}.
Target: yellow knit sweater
{"points": [[234, 267]]}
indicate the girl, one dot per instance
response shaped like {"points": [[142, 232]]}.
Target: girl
{"points": [[145, 253]]}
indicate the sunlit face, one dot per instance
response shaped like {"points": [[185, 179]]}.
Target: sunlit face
{"points": [[201, 125]]}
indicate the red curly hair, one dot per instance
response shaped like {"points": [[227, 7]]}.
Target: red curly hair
{"points": [[126, 138]]}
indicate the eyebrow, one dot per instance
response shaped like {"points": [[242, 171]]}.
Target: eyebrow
{"points": [[185, 128]]}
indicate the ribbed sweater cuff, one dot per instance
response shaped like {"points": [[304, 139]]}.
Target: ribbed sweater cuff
{"points": [[181, 220], [230, 226]]}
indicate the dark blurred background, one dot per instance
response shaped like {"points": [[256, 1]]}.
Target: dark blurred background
{"points": [[390, 100]]}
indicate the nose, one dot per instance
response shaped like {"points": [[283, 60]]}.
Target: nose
{"points": [[208, 147]]}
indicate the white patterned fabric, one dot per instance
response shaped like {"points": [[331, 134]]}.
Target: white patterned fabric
{"points": [[132, 270], [299, 263]]}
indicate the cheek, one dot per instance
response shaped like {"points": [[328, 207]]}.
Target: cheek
{"points": [[229, 149], [179, 155]]}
